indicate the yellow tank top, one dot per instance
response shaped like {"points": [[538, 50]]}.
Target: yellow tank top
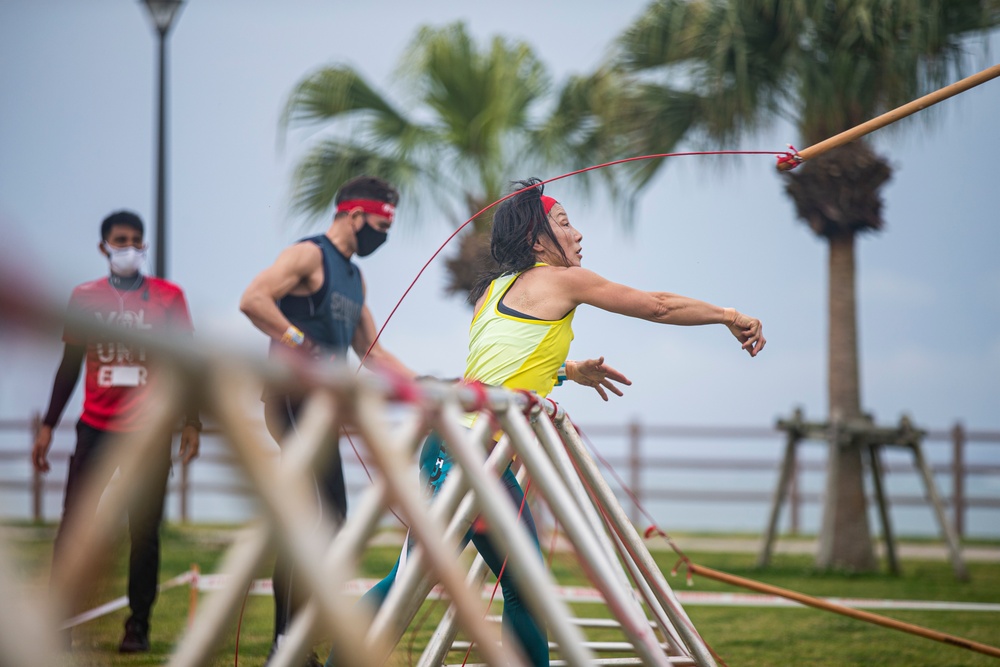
{"points": [[516, 352]]}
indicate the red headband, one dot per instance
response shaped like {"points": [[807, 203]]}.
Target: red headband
{"points": [[548, 203], [368, 206]]}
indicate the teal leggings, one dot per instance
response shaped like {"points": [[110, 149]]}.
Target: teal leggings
{"points": [[517, 619]]}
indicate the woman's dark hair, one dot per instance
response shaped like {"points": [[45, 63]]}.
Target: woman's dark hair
{"points": [[517, 224]]}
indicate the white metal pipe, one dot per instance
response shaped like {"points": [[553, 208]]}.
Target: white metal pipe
{"points": [[510, 537], [412, 584], [405, 493], [599, 486], [552, 442], [581, 533]]}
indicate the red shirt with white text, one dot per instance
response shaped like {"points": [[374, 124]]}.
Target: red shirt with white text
{"points": [[118, 381]]}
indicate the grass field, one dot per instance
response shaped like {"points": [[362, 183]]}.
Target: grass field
{"points": [[740, 635]]}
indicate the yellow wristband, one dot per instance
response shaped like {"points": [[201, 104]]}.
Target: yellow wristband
{"points": [[293, 337]]}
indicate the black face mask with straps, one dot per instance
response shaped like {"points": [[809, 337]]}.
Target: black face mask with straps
{"points": [[369, 239]]}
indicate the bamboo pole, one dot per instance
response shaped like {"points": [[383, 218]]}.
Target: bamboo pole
{"points": [[845, 611], [890, 117]]}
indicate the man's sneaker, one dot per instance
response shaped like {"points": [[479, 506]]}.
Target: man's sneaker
{"points": [[136, 639], [311, 660]]}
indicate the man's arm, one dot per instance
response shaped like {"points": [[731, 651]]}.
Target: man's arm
{"points": [[377, 356], [191, 431], [369, 350], [62, 389], [293, 268]]}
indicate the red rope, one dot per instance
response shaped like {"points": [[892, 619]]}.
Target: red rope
{"points": [[781, 155], [239, 626], [520, 512], [651, 530]]}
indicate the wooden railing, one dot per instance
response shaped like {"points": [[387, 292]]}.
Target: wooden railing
{"points": [[642, 451]]}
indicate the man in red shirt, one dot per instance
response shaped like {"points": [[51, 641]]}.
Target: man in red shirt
{"points": [[116, 389]]}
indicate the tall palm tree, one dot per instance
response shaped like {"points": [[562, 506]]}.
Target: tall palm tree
{"points": [[464, 122], [827, 66]]}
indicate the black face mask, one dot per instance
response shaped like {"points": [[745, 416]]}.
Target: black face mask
{"points": [[369, 239]]}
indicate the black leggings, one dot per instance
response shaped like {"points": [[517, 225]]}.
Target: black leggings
{"points": [[144, 515], [280, 417]]}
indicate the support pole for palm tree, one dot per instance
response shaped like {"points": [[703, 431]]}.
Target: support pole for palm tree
{"points": [[890, 117]]}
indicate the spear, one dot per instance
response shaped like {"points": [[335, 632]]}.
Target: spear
{"points": [[787, 162]]}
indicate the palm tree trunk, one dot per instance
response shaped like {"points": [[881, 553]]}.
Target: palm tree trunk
{"points": [[845, 540]]}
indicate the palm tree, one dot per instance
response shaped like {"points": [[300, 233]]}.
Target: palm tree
{"points": [[827, 66], [468, 120]]}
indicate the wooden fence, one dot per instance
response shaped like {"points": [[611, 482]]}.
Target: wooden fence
{"points": [[642, 451]]}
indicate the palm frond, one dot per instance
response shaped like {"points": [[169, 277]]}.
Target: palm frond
{"points": [[332, 93], [330, 163]]}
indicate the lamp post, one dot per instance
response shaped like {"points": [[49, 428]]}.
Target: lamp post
{"points": [[162, 13]]}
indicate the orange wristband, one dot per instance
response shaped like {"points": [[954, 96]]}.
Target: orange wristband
{"points": [[293, 337]]}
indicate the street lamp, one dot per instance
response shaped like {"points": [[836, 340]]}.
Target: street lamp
{"points": [[162, 12]]}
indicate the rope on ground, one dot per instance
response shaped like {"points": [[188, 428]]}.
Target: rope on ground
{"points": [[693, 568], [845, 611]]}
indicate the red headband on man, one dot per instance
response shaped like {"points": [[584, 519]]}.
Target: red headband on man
{"points": [[368, 206], [548, 203]]}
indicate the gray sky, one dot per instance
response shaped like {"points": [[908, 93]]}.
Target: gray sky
{"points": [[77, 137]]}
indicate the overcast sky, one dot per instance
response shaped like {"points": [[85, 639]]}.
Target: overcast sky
{"points": [[77, 138]]}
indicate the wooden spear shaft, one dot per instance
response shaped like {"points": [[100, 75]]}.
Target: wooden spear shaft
{"points": [[889, 117], [846, 611]]}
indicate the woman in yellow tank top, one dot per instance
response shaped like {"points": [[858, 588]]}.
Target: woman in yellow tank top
{"points": [[520, 337], [521, 331]]}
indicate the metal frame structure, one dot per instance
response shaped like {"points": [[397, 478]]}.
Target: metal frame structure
{"points": [[540, 435]]}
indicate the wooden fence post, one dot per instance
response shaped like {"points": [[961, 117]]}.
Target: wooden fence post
{"points": [[37, 482], [635, 467], [185, 491], [794, 499], [958, 478]]}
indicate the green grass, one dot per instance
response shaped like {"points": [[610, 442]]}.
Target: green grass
{"points": [[741, 635]]}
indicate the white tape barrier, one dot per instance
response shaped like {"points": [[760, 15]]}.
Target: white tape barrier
{"points": [[358, 587], [122, 602]]}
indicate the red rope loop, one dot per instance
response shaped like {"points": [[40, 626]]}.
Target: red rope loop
{"points": [[555, 406], [790, 159], [403, 388], [686, 563], [478, 390], [532, 399]]}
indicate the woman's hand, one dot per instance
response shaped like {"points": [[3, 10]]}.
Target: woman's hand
{"points": [[748, 330], [595, 373]]}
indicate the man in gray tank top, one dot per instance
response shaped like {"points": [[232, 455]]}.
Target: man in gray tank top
{"points": [[312, 300]]}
